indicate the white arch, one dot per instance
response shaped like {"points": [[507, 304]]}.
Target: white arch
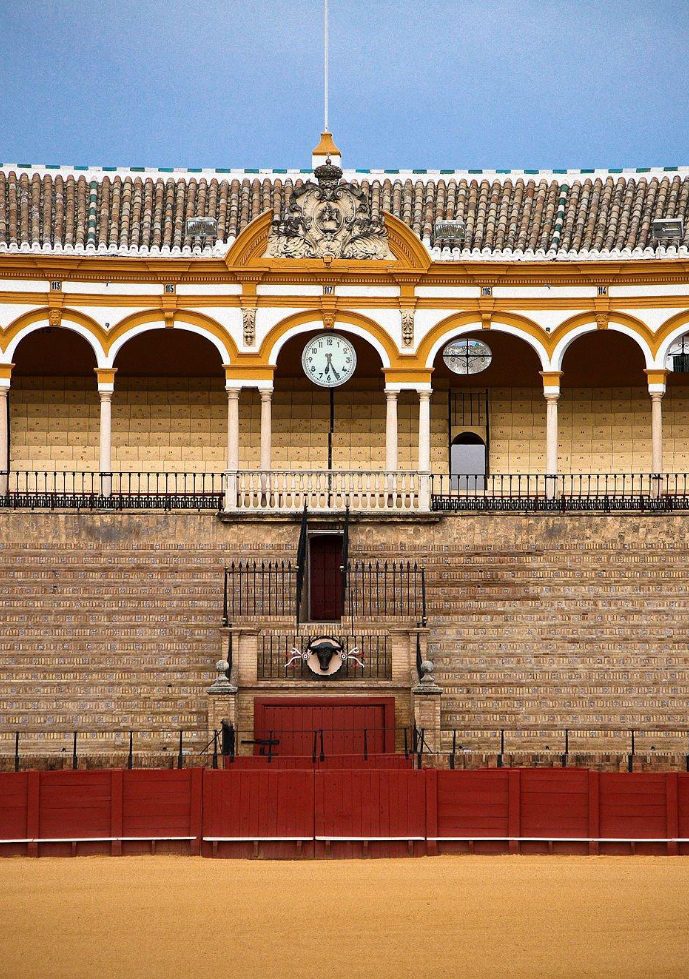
{"points": [[317, 323], [179, 325], [101, 359], [456, 331], [661, 356], [566, 341]]}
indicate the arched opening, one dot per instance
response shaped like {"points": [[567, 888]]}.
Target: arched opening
{"points": [[493, 391], [169, 409], [604, 413], [468, 462], [676, 407], [54, 405], [339, 427]]}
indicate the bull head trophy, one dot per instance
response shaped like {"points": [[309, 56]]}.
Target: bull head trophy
{"points": [[324, 656]]}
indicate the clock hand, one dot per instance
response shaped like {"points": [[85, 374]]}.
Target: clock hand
{"points": [[329, 359]]}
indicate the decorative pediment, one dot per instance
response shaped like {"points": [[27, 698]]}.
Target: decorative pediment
{"points": [[328, 219]]}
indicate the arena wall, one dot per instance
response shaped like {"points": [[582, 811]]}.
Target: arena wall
{"points": [[112, 620]]}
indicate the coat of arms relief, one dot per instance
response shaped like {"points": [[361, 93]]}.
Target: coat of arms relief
{"points": [[328, 219]]}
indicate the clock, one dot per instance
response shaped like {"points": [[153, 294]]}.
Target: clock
{"points": [[329, 360]]}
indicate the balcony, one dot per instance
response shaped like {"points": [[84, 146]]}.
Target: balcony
{"points": [[379, 493]]}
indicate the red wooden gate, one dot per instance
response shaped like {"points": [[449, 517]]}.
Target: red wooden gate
{"points": [[326, 726]]}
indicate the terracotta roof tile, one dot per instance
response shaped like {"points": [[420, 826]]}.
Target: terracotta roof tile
{"points": [[528, 215]]}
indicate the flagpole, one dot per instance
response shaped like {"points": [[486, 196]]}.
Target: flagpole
{"points": [[325, 65]]}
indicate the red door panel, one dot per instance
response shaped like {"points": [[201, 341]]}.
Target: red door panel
{"points": [[343, 722], [325, 577]]}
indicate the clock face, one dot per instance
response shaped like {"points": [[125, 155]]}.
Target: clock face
{"points": [[329, 360]]}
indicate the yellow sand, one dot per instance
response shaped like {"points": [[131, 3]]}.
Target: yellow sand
{"points": [[444, 916]]}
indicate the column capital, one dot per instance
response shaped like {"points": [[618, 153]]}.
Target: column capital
{"points": [[392, 393], [5, 376], [106, 379], [266, 394], [424, 393], [551, 382], [246, 376], [233, 391], [657, 380]]}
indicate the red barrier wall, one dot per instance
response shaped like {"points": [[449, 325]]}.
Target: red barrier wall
{"points": [[290, 812]]}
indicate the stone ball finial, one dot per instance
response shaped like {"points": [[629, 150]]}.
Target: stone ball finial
{"points": [[222, 666], [426, 667]]}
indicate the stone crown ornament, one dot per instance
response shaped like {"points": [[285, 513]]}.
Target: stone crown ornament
{"points": [[328, 220]]}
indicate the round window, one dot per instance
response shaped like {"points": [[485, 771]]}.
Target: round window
{"points": [[467, 356]]}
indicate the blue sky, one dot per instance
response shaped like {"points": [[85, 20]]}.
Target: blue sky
{"points": [[414, 83]]}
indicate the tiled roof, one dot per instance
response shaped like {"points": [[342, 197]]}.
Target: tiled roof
{"points": [[506, 214]]}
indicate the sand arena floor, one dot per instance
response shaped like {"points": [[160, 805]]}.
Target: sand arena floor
{"points": [[445, 916]]}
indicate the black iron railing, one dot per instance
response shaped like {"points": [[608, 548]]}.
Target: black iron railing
{"points": [[562, 744], [373, 589], [259, 588], [383, 588], [606, 492], [111, 491], [368, 657]]}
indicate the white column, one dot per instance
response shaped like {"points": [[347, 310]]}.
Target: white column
{"points": [[657, 432], [232, 447], [391, 430], [233, 428], [106, 387], [4, 435], [424, 431], [657, 380], [105, 458], [266, 427], [424, 449], [551, 435]]}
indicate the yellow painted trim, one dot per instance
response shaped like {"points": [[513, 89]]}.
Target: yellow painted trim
{"points": [[551, 379], [326, 145], [462, 319], [171, 318], [656, 376], [593, 317], [340, 316], [668, 327], [408, 375], [248, 250], [37, 315], [105, 375], [6, 371], [237, 372]]}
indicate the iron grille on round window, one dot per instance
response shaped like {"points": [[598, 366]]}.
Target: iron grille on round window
{"points": [[467, 356], [678, 355]]}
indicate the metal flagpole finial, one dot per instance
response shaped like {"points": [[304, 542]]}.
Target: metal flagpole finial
{"points": [[325, 65]]}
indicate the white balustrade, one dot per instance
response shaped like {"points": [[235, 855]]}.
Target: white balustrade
{"points": [[336, 489]]}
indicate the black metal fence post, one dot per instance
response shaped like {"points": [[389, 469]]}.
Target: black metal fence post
{"points": [[16, 751], [215, 749], [180, 753], [454, 749], [406, 746], [130, 756], [566, 751], [75, 760], [630, 758], [501, 756]]}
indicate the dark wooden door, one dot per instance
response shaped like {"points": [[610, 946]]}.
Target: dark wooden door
{"points": [[325, 577]]}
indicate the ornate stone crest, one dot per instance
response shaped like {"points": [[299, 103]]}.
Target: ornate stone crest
{"points": [[328, 219]]}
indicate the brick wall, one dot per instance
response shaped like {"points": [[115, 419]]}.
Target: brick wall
{"points": [[578, 620]]}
